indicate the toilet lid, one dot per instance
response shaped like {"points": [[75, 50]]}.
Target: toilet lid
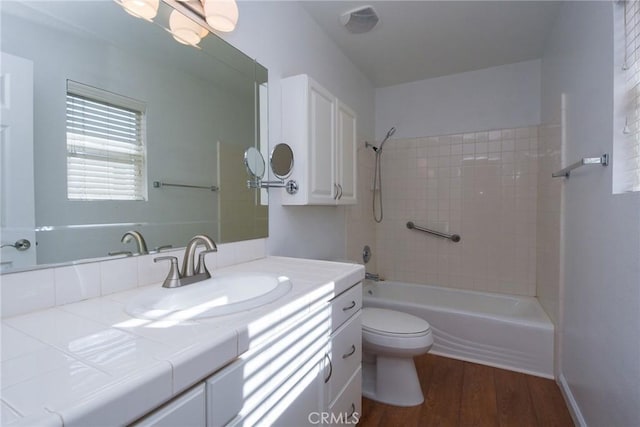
{"points": [[392, 322]]}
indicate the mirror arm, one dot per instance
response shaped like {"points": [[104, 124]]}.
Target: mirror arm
{"points": [[291, 185]]}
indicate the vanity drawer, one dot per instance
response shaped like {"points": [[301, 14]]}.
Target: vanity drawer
{"points": [[345, 354], [345, 305], [188, 410], [347, 407]]}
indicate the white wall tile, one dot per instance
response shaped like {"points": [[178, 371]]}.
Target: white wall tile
{"points": [[27, 291], [118, 275], [478, 185], [77, 282]]}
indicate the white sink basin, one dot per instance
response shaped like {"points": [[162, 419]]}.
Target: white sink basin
{"points": [[220, 295]]}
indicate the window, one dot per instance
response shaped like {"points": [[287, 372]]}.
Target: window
{"points": [[630, 173], [105, 145]]}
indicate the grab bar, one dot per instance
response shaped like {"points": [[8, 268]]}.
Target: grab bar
{"points": [[452, 237], [158, 184], [602, 160]]}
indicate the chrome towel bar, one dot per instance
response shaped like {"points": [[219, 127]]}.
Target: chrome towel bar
{"points": [[602, 160], [452, 237], [158, 184]]}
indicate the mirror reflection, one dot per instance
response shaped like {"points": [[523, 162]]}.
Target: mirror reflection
{"points": [[254, 163], [281, 161], [120, 128]]}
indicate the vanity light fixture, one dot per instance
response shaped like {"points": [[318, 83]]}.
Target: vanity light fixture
{"points": [[145, 9], [222, 15], [184, 30]]}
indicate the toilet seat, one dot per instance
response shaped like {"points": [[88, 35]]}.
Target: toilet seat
{"points": [[391, 323]]}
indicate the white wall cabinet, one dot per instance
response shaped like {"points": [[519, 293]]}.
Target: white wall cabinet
{"points": [[322, 131]]}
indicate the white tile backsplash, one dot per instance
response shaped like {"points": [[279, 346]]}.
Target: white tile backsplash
{"points": [[77, 282], [27, 291], [119, 275]]}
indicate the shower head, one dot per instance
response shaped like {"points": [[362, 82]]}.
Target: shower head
{"points": [[377, 149], [389, 135]]}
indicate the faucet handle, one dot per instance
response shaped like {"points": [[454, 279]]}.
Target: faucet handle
{"points": [[173, 278], [162, 247], [201, 267]]}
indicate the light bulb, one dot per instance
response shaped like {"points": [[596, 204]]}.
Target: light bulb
{"points": [[184, 30], [145, 9], [222, 15]]}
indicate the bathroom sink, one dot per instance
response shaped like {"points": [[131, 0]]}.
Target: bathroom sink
{"points": [[217, 296]]}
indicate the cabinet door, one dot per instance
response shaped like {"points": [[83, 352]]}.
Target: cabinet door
{"points": [[187, 410], [322, 134], [346, 160], [303, 402]]}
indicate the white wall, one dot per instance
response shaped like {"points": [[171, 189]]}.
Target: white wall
{"points": [[286, 40], [501, 97], [600, 340]]}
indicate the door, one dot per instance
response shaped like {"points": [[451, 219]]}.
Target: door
{"points": [[346, 160], [17, 207], [322, 113]]}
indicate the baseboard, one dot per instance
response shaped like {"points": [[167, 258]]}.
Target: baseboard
{"points": [[574, 410]]}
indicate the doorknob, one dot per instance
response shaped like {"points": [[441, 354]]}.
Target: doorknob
{"points": [[20, 245]]}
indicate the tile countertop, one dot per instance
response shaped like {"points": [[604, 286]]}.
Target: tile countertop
{"points": [[90, 363]]}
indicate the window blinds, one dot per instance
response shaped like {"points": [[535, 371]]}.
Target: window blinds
{"points": [[105, 150], [631, 170]]}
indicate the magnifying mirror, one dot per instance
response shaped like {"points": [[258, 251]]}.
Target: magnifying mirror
{"points": [[254, 162], [281, 161]]}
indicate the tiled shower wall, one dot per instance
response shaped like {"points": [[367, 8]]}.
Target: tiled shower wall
{"points": [[480, 185]]}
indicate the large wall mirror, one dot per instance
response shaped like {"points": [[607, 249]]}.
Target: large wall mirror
{"points": [[118, 105]]}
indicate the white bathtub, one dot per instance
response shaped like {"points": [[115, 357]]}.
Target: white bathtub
{"points": [[505, 331]]}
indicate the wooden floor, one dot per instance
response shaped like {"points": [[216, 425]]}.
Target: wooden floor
{"points": [[466, 394]]}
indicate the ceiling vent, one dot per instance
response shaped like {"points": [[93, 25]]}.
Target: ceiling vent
{"points": [[360, 20]]}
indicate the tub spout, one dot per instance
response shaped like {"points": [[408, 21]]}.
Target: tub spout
{"points": [[372, 276]]}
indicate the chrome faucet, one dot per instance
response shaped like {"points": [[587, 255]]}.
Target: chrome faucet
{"points": [[191, 272], [137, 236]]}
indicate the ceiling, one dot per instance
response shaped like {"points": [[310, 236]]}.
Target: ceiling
{"points": [[416, 40]]}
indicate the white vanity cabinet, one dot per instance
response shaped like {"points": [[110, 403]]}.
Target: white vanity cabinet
{"points": [[308, 373], [343, 389], [321, 130]]}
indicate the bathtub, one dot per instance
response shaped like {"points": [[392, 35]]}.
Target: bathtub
{"points": [[504, 331]]}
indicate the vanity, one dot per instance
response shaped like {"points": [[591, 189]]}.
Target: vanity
{"points": [[283, 363]]}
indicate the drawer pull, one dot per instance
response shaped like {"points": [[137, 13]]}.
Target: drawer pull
{"points": [[353, 411], [326, 380], [353, 350], [352, 305]]}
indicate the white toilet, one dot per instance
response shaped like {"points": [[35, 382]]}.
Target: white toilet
{"points": [[390, 340]]}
